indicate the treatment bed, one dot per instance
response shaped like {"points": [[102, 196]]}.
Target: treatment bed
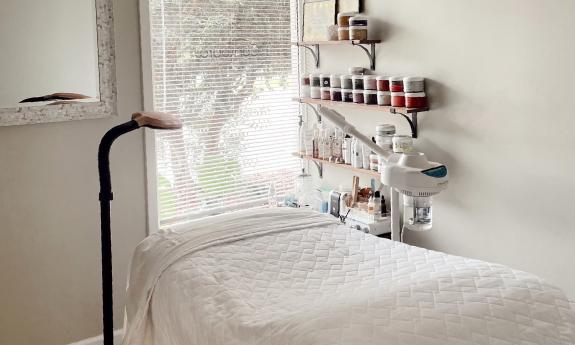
{"points": [[287, 276]]}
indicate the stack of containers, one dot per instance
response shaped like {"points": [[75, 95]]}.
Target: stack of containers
{"points": [[358, 28], [315, 89], [370, 89], [358, 88], [343, 25], [335, 84], [325, 82], [414, 88], [383, 93], [347, 88], [397, 93]]}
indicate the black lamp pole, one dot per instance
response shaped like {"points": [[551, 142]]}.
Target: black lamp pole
{"points": [[150, 120]]}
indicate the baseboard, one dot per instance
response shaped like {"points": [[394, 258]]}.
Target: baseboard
{"points": [[99, 340]]}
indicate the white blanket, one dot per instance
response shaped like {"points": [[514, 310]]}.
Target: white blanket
{"points": [[283, 276]]}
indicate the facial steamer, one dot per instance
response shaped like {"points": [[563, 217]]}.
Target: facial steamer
{"points": [[146, 119], [409, 174]]}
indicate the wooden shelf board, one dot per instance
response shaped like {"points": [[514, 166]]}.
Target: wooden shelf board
{"points": [[340, 166], [347, 42], [361, 106]]}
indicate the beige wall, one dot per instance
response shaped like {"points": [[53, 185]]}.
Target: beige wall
{"points": [[502, 88], [49, 213]]}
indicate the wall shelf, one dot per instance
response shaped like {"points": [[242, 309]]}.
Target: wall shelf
{"points": [[410, 114], [368, 46], [320, 163]]}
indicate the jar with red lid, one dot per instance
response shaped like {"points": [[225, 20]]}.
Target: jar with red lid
{"points": [[416, 100], [382, 83], [398, 99], [396, 84]]}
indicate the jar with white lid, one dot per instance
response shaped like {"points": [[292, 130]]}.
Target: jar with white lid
{"points": [[356, 70], [384, 98], [396, 84], [357, 82], [358, 21], [384, 136], [315, 80], [416, 100], [358, 33], [335, 80], [305, 91], [347, 95], [346, 82], [413, 84], [336, 94], [402, 144], [358, 96], [343, 18], [325, 80], [370, 97], [370, 82], [315, 92], [326, 93], [343, 33]]}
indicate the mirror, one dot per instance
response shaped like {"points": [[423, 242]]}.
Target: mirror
{"points": [[57, 61]]}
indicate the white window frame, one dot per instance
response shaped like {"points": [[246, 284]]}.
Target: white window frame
{"points": [[153, 222]]}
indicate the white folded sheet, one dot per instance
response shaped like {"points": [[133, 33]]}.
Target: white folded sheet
{"points": [[284, 276]]}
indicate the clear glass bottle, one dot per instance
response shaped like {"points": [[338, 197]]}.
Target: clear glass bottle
{"points": [[316, 142], [304, 189], [417, 213]]}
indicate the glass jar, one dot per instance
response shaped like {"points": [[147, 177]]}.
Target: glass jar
{"points": [[402, 144], [384, 136]]}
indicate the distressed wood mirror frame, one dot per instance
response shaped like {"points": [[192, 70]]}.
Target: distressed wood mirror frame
{"points": [[105, 107]]}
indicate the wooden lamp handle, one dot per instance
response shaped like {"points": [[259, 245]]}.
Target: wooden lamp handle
{"points": [[157, 120]]}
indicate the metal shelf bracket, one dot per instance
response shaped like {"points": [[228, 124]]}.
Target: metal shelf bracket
{"points": [[370, 52], [314, 52], [412, 121], [319, 167]]}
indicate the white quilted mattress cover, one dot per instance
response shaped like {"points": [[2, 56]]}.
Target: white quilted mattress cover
{"points": [[316, 282]]}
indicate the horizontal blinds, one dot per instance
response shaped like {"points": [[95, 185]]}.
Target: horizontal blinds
{"points": [[228, 69]]}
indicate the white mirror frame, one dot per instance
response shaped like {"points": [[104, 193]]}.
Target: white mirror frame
{"points": [[106, 106]]}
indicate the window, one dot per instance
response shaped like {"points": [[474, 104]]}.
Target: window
{"points": [[228, 69]]}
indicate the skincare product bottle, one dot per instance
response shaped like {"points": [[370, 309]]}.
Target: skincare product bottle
{"points": [[377, 203], [371, 205], [383, 206], [357, 159]]}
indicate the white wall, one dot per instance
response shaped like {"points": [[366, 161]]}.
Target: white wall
{"points": [[47, 47], [49, 213], [501, 82]]}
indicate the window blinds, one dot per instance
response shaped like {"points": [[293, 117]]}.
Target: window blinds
{"points": [[228, 69]]}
